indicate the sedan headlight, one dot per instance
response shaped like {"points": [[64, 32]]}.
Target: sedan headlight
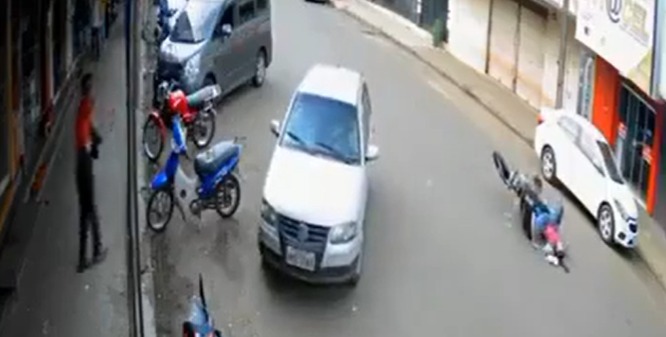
{"points": [[621, 210], [268, 214], [344, 233]]}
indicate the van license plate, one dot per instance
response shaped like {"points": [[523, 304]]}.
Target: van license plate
{"points": [[300, 258]]}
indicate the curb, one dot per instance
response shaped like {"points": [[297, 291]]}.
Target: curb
{"points": [[659, 276], [339, 4], [525, 138], [146, 268]]}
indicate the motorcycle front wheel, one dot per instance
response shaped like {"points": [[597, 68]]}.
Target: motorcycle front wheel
{"points": [[203, 128], [152, 139], [228, 196], [501, 167], [159, 210]]}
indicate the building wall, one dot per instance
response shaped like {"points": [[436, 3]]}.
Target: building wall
{"points": [[551, 64], [468, 38], [572, 71]]}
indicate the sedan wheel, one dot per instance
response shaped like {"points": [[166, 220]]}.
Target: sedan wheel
{"points": [[548, 164], [606, 224]]}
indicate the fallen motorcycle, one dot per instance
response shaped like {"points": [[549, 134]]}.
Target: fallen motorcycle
{"points": [[200, 323], [518, 183], [215, 186], [195, 110]]}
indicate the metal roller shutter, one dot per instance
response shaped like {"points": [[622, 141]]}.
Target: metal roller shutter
{"points": [[503, 32], [469, 32], [532, 33]]}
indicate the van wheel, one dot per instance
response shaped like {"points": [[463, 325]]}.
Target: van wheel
{"points": [[259, 69]]}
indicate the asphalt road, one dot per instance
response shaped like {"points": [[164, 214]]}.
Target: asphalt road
{"points": [[443, 256]]}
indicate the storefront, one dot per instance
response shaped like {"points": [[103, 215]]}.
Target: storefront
{"points": [[622, 107], [5, 151], [659, 86], [29, 65], [635, 142]]}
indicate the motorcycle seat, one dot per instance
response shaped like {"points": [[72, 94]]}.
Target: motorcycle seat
{"points": [[209, 161], [199, 98]]}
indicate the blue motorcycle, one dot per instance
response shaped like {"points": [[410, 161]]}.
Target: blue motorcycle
{"points": [[200, 322], [216, 185]]}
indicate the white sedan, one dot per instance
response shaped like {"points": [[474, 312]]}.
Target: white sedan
{"points": [[574, 153], [316, 187]]}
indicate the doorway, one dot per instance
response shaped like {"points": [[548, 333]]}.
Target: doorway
{"points": [[636, 130]]}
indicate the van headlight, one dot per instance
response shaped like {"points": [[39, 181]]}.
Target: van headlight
{"points": [[268, 214], [621, 210], [192, 66], [343, 233]]}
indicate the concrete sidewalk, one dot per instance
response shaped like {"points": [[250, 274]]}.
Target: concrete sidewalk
{"points": [[51, 298], [508, 108]]}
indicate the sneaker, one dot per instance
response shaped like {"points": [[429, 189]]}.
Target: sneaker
{"points": [[82, 266], [100, 256], [552, 260]]}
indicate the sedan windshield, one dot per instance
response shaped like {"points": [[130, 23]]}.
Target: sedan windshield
{"points": [[322, 126], [196, 23], [610, 163]]}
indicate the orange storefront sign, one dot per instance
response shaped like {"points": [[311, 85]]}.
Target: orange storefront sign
{"points": [[604, 106]]}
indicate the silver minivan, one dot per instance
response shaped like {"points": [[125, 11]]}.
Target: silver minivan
{"points": [[224, 42]]}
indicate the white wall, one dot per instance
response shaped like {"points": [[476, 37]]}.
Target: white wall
{"points": [[469, 30], [551, 51], [572, 72]]}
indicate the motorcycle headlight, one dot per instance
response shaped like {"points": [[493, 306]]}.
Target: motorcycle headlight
{"points": [[268, 214], [621, 209], [343, 233]]}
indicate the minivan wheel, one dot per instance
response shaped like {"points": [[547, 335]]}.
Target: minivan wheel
{"points": [[210, 80], [548, 164], [259, 69], [606, 224]]}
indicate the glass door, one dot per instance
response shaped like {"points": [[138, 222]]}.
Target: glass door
{"points": [[635, 139]]}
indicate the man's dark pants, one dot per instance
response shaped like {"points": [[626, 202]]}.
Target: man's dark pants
{"points": [[87, 208]]}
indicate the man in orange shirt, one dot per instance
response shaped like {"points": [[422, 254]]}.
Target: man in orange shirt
{"points": [[87, 142]]}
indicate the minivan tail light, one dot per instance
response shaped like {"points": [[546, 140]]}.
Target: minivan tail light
{"points": [[540, 119]]}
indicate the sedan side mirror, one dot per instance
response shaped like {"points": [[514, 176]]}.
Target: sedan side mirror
{"points": [[275, 128], [372, 154]]}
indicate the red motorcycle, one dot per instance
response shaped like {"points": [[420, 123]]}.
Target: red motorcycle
{"points": [[195, 110]]}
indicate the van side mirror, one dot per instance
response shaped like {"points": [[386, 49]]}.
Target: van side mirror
{"points": [[223, 31], [226, 30], [275, 128], [372, 154]]}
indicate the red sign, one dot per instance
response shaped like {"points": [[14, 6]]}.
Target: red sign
{"points": [[647, 154]]}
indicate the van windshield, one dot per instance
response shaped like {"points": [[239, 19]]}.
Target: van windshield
{"points": [[196, 23]]}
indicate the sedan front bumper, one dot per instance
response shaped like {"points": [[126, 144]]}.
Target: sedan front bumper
{"points": [[338, 263]]}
